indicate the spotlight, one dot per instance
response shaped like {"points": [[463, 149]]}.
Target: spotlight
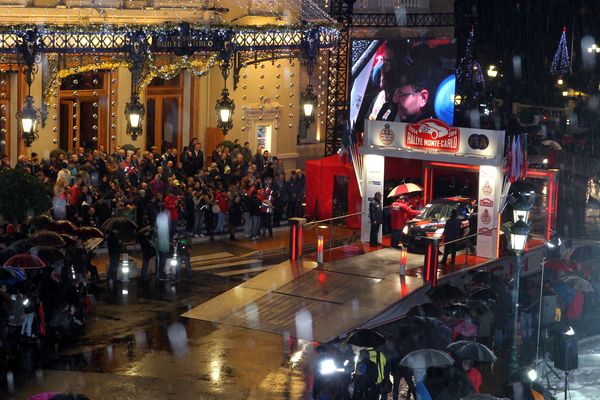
{"points": [[532, 375]]}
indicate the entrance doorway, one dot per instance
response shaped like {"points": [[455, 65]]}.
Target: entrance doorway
{"points": [[164, 121], [340, 195], [81, 123], [84, 111]]}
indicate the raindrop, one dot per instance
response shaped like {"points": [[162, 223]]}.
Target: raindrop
{"points": [[10, 381], [517, 67], [178, 339], [588, 53], [304, 328], [109, 352], [475, 118], [252, 316]]}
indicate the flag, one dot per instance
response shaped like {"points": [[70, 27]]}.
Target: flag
{"points": [[524, 157], [513, 161]]}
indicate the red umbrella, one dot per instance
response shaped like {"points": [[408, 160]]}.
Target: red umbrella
{"points": [[405, 188], [25, 261]]}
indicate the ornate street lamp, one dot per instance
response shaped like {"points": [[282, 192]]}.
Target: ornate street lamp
{"points": [[29, 115], [134, 112], [518, 235], [309, 104], [225, 107], [521, 209]]}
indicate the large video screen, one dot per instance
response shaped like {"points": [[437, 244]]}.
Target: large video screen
{"points": [[404, 80]]}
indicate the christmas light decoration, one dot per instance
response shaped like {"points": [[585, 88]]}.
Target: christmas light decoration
{"points": [[469, 69], [561, 65]]}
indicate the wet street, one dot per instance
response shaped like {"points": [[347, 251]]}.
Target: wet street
{"points": [[136, 347]]}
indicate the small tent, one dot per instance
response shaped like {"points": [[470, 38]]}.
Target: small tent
{"points": [[323, 187]]}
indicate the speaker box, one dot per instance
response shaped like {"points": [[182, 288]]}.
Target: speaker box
{"points": [[549, 305], [565, 354]]}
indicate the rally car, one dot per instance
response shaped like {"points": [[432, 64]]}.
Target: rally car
{"points": [[431, 221]]}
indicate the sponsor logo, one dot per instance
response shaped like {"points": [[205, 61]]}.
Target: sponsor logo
{"points": [[485, 231], [487, 188], [478, 142], [432, 134], [486, 217], [376, 183], [486, 203], [387, 135]]}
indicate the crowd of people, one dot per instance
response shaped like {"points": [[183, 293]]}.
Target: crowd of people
{"points": [[200, 196], [235, 187]]}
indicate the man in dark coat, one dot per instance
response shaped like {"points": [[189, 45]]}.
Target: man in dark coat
{"points": [[452, 231], [376, 218]]}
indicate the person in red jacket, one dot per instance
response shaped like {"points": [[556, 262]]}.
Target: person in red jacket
{"points": [[473, 374], [400, 212], [171, 205]]}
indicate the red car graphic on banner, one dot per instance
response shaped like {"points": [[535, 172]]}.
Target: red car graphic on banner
{"points": [[432, 134]]}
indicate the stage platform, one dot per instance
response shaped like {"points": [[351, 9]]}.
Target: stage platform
{"points": [[320, 302]]}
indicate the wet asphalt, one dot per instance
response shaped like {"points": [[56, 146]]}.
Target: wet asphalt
{"points": [[135, 346]]}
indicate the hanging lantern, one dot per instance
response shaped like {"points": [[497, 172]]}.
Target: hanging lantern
{"points": [[225, 107], [28, 117], [134, 112], [308, 101]]}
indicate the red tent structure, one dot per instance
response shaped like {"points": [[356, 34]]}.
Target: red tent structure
{"points": [[321, 176]]}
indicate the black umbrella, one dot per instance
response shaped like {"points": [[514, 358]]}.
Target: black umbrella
{"points": [[468, 349], [366, 338], [47, 239], [50, 254], [118, 223], [458, 310], [485, 295], [63, 226], [425, 310], [125, 228], [414, 333], [482, 276], [444, 293], [6, 254], [6, 273], [20, 246], [89, 232]]}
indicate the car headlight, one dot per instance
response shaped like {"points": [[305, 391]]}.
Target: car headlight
{"points": [[438, 233], [405, 230], [327, 367]]}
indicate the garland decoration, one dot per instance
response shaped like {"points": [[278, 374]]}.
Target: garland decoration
{"points": [[198, 67]]}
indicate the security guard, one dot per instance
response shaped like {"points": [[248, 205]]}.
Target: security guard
{"points": [[379, 359], [376, 218]]}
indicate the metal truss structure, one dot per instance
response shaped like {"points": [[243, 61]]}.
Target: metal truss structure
{"points": [[337, 103], [416, 20], [107, 39]]}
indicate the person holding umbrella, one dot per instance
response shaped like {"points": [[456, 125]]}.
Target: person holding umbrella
{"points": [[401, 211]]}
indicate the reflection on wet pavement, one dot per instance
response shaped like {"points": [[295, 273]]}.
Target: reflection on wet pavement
{"points": [[137, 347]]}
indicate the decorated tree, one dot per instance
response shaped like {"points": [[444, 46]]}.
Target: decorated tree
{"points": [[22, 195]]}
